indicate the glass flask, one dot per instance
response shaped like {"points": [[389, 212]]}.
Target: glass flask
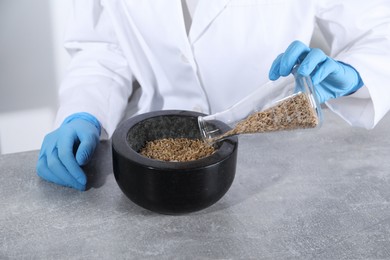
{"points": [[288, 103]]}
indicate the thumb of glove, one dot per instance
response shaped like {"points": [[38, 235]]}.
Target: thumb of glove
{"points": [[86, 148]]}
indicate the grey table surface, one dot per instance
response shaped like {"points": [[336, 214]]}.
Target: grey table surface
{"points": [[311, 194]]}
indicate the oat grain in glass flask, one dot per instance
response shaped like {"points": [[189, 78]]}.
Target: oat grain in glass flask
{"points": [[288, 103]]}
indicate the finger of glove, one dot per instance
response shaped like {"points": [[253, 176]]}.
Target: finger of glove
{"points": [[312, 62], [44, 172], [88, 143], [293, 55], [322, 96], [67, 158], [324, 70], [274, 70], [56, 167], [48, 144], [325, 92]]}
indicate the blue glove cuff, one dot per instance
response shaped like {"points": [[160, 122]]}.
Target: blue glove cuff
{"points": [[86, 116]]}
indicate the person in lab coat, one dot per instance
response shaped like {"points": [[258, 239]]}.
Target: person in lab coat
{"points": [[205, 55]]}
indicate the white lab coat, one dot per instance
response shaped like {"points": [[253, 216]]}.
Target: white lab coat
{"points": [[226, 56]]}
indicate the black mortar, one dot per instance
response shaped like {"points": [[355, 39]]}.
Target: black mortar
{"points": [[170, 187]]}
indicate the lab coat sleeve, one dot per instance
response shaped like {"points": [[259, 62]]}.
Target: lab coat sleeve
{"points": [[98, 80], [358, 33]]}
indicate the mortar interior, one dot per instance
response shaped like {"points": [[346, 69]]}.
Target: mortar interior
{"points": [[166, 126]]}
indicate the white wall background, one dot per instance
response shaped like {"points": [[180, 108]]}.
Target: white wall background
{"points": [[32, 62]]}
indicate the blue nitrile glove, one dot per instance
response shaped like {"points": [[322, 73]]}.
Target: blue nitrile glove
{"points": [[331, 78], [67, 148]]}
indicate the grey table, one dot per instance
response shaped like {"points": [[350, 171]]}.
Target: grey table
{"points": [[321, 194]]}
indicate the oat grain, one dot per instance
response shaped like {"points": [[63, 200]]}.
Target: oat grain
{"points": [[177, 149]]}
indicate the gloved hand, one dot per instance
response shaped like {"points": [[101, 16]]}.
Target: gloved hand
{"points": [[57, 162], [331, 78]]}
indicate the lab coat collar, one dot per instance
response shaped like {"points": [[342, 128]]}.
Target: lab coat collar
{"points": [[204, 15]]}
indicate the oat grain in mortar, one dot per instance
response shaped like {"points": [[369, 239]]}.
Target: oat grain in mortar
{"points": [[177, 149]]}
